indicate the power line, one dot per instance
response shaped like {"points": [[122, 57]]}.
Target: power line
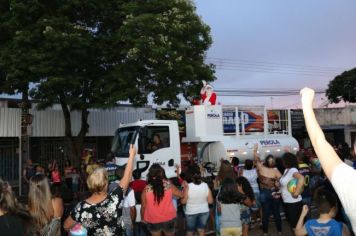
{"points": [[269, 66], [272, 71], [254, 62], [273, 67], [261, 93]]}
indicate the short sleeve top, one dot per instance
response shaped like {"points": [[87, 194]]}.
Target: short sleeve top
{"points": [[104, 218], [330, 228], [343, 180], [162, 211], [286, 195]]}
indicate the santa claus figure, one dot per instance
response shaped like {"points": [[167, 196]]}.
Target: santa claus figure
{"points": [[208, 96]]}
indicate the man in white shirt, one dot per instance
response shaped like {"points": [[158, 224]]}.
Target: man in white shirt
{"points": [[342, 176]]}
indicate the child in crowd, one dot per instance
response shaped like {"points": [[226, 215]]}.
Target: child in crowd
{"points": [[55, 175], [325, 225], [75, 182], [138, 184], [245, 188], [228, 205]]}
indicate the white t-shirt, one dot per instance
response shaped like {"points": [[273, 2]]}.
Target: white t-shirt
{"points": [[251, 176], [286, 195], [138, 212], [343, 180], [129, 200], [197, 199], [349, 162]]}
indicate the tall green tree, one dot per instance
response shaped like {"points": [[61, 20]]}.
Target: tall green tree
{"points": [[93, 54], [19, 39], [343, 87]]}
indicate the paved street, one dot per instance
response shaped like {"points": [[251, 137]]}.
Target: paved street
{"points": [[256, 231]]}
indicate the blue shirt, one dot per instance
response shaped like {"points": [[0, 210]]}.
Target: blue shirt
{"points": [[331, 228]]}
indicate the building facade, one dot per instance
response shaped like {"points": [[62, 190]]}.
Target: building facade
{"points": [[46, 134], [338, 124]]}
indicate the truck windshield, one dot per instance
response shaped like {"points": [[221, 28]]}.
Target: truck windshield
{"points": [[123, 138]]}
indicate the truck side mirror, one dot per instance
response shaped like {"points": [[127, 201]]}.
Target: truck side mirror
{"points": [[143, 132], [142, 140], [141, 145]]}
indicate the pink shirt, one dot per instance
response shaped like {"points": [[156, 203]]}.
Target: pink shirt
{"points": [[56, 176], [162, 212]]}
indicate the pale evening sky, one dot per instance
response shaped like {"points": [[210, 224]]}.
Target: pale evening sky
{"points": [[279, 44]]}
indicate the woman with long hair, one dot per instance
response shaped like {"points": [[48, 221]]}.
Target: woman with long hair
{"points": [[250, 173], [45, 210], [225, 171], [100, 213], [229, 203], [157, 208], [292, 201], [197, 197], [268, 177], [68, 170], [14, 219], [235, 162], [245, 188]]}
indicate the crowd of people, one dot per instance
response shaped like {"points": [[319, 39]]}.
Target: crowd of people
{"points": [[239, 197]]}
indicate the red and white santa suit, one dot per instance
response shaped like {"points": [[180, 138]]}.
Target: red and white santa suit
{"points": [[208, 96]]}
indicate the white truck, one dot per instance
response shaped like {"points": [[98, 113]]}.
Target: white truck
{"points": [[159, 141]]}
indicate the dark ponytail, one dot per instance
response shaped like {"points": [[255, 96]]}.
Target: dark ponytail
{"points": [[193, 175], [246, 187], [156, 176]]}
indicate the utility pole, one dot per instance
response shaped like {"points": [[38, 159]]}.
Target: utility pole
{"points": [[26, 120]]}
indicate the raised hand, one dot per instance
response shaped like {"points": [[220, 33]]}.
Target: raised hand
{"points": [[305, 210], [132, 150], [307, 96]]}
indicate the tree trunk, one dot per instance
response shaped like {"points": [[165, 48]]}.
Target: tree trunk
{"points": [[83, 130], [75, 144]]}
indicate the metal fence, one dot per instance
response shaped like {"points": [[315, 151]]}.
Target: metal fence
{"points": [[45, 150], [9, 159]]}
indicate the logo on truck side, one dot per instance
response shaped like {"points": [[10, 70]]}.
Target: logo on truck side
{"points": [[270, 142], [213, 115]]}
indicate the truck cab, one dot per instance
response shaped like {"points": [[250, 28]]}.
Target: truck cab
{"points": [[157, 141]]}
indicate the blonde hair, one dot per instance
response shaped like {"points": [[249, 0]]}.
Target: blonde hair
{"points": [[98, 180], [40, 201]]}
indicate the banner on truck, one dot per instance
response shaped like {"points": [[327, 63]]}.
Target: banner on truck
{"points": [[252, 120]]}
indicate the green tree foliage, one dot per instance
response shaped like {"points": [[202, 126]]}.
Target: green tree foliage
{"points": [[88, 54], [172, 114], [343, 87], [19, 39]]}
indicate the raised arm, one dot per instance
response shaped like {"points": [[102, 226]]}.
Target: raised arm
{"points": [[126, 179], [325, 152], [256, 158], [300, 228]]}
